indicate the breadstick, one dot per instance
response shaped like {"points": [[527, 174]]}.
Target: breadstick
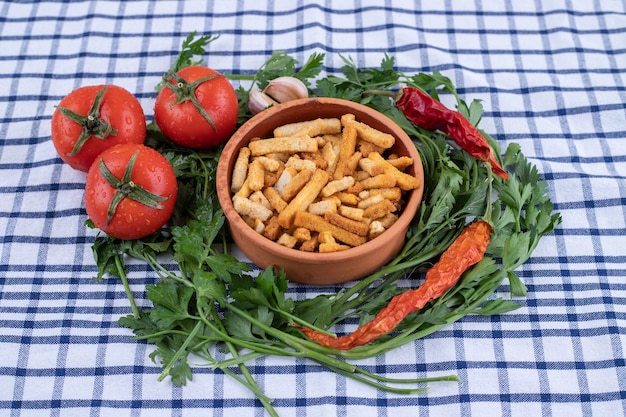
{"points": [[312, 128], [316, 223], [369, 134], [404, 181], [289, 144], [240, 170], [306, 196]]}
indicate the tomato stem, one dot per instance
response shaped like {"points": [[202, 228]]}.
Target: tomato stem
{"points": [[91, 123], [127, 188], [186, 91]]}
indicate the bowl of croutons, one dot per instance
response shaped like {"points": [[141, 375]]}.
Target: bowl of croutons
{"points": [[323, 188]]}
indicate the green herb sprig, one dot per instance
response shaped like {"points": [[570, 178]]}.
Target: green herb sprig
{"points": [[190, 49], [205, 300]]}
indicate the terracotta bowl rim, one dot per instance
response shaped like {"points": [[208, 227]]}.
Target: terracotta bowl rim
{"points": [[235, 221]]}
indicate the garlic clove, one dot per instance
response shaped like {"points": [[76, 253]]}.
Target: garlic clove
{"points": [[259, 101], [286, 88]]}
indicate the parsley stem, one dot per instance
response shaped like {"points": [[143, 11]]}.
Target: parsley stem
{"points": [[243, 77], [298, 320], [265, 400], [261, 347], [306, 348], [235, 360], [180, 352], [251, 383], [407, 380], [129, 294], [345, 302], [164, 273], [326, 356], [374, 380], [172, 332]]}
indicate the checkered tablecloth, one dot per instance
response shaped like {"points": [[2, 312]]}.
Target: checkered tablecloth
{"points": [[551, 75]]}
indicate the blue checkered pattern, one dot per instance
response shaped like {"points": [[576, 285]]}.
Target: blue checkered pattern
{"points": [[551, 75]]}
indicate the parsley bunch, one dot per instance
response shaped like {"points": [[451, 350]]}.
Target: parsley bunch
{"points": [[206, 301]]}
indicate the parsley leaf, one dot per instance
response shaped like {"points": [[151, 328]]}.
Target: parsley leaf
{"points": [[280, 64], [171, 303], [190, 48], [105, 255]]}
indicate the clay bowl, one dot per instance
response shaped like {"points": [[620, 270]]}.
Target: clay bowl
{"points": [[306, 267]]}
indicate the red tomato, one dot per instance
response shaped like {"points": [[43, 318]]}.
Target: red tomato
{"points": [[152, 173], [179, 119], [118, 119]]}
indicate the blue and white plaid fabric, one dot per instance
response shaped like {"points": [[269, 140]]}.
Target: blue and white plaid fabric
{"points": [[551, 75]]}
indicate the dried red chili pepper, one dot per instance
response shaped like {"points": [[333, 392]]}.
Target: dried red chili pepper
{"points": [[430, 114], [467, 249]]}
